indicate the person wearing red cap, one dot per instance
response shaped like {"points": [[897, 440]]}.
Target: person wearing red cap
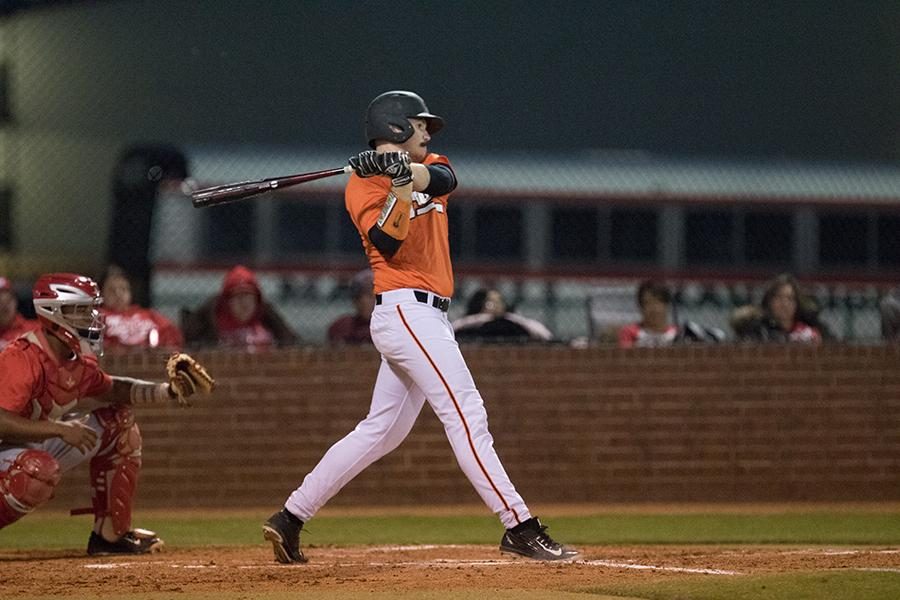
{"points": [[238, 317], [12, 323]]}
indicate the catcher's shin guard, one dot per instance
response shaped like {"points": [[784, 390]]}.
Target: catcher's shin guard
{"points": [[115, 469], [29, 482]]}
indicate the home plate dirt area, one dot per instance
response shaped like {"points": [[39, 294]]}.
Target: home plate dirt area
{"points": [[426, 567]]}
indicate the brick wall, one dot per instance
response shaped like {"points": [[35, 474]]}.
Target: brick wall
{"points": [[599, 425]]}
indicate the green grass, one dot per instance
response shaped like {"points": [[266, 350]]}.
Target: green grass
{"points": [[54, 530], [840, 585]]}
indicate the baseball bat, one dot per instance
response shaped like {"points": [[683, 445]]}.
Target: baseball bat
{"points": [[223, 194]]}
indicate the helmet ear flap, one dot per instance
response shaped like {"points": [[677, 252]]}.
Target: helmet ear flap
{"points": [[400, 128]]}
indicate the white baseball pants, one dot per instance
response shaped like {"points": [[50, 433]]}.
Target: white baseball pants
{"points": [[420, 360], [68, 456]]}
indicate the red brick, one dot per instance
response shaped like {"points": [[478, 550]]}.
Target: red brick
{"points": [[716, 423]]}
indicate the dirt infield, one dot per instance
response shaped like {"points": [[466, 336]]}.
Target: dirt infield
{"points": [[70, 574]]}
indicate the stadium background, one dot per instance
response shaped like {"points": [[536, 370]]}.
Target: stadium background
{"points": [[710, 145]]}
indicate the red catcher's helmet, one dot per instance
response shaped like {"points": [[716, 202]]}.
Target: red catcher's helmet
{"points": [[68, 305]]}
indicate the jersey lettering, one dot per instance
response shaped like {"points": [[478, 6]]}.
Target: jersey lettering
{"points": [[423, 203]]}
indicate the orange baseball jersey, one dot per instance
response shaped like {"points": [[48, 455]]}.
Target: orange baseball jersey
{"points": [[423, 260], [36, 386]]}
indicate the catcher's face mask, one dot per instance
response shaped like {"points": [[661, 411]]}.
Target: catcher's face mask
{"points": [[69, 306]]}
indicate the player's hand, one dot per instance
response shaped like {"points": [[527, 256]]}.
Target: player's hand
{"points": [[396, 165], [78, 435], [365, 164]]}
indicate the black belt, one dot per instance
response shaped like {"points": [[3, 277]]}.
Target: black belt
{"points": [[442, 304]]}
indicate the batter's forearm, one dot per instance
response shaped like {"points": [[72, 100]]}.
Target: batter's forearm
{"points": [[392, 225], [14, 428], [421, 177]]}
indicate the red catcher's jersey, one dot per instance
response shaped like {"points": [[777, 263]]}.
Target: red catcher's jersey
{"points": [[423, 260], [36, 386]]}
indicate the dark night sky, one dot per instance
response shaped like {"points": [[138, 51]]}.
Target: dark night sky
{"points": [[798, 79], [794, 79]]}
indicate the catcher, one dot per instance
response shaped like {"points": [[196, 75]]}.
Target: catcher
{"points": [[59, 409]]}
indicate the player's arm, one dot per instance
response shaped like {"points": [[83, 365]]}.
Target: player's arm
{"points": [[392, 225], [186, 377], [434, 180], [14, 428], [127, 390]]}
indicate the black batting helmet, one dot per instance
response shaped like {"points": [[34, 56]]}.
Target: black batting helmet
{"points": [[391, 110]]}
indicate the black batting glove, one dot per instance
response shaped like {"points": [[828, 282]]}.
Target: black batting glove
{"points": [[396, 165], [365, 164]]}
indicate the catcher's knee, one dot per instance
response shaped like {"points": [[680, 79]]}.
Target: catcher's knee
{"points": [[30, 481], [121, 434], [129, 442]]}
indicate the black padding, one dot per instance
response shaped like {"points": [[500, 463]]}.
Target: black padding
{"points": [[443, 181], [387, 245]]}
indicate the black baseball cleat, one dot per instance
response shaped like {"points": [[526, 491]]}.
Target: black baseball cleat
{"points": [[283, 530], [529, 539], [136, 541]]}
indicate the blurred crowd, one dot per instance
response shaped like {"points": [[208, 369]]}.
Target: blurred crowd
{"points": [[239, 316]]}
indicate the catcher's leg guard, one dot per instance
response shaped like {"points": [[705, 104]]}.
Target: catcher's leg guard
{"points": [[27, 484], [115, 469]]}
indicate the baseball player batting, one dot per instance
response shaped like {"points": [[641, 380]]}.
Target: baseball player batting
{"points": [[397, 197], [46, 430]]}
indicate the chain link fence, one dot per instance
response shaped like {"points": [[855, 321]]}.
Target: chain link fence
{"points": [[565, 238], [565, 245]]}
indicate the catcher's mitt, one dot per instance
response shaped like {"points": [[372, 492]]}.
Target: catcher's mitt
{"points": [[187, 377]]}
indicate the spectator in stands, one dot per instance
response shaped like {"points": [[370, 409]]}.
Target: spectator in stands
{"points": [[238, 317], [131, 326], [12, 323], [890, 315], [354, 328], [783, 316], [655, 327], [489, 320]]}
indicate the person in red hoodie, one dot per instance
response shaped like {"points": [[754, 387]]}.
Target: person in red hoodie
{"points": [[12, 323], [238, 317], [129, 325]]}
